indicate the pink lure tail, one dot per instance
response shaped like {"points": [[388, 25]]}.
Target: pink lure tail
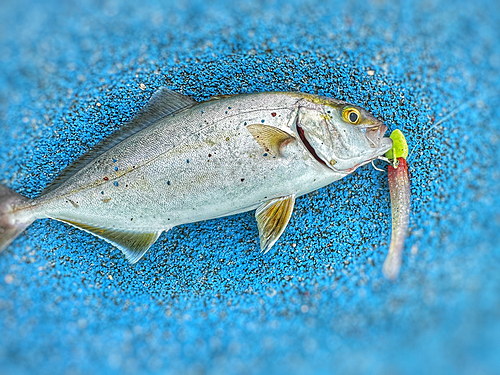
{"points": [[11, 224], [399, 186]]}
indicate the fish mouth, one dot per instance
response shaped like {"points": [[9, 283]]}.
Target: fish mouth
{"points": [[383, 145], [375, 134]]}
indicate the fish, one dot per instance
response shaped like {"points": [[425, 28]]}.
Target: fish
{"points": [[181, 161]]}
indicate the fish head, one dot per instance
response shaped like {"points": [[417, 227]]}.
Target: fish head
{"points": [[340, 135]]}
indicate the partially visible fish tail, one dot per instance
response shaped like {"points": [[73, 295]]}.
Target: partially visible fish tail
{"points": [[11, 224]]}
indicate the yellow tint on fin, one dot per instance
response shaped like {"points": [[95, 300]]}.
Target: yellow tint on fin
{"points": [[132, 244], [271, 139], [272, 219]]}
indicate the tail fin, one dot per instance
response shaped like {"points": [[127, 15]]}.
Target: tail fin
{"points": [[11, 224]]}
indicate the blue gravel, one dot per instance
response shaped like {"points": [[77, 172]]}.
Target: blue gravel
{"points": [[204, 300]]}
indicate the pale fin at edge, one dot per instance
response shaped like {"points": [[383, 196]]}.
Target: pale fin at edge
{"points": [[272, 219], [132, 244], [164, 102]]}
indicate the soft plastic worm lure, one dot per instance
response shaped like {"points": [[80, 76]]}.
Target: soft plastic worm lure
{"points": [[399, 186]]}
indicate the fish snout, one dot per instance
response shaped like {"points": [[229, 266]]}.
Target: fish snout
{"points": [[375, 133]]}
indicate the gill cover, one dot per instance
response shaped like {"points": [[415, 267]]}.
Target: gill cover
{"points": [[334, 142]]}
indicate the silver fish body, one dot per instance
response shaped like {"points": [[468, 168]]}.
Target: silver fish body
{"points": [[199, 161]]}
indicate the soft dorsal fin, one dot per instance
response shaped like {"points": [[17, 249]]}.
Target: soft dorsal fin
{"points": [[270, 138], [164, 102], [272, 219], [132, 244], [219, 97]]}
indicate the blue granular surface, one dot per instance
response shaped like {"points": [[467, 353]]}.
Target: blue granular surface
{"points": [[204, 300]]}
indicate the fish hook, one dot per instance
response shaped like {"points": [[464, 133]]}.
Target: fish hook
{"points": [[374, 166]]}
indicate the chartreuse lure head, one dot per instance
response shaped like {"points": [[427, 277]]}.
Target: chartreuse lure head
{"points": [[399, 146]]}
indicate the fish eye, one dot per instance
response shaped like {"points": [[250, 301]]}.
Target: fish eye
{"points": [[351, 115]]}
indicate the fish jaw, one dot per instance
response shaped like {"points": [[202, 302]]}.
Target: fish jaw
{"points": [[375, 135], [385, 145]]}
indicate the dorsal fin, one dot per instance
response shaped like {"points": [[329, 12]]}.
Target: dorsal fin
{"points": [[132, 244], [219, 97], [164, 102]]}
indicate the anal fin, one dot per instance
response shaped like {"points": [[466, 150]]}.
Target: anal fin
{"points": [[272, 219], [132, 244]]}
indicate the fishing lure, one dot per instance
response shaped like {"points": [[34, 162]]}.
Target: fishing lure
{"points": [[399, 186]]}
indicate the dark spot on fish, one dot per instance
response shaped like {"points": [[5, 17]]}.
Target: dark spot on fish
{"points": [[187, 161], [328, 112], [133, 166], [105, 178], [114, 160], [245, 123], [228, 107], [106, 200], [115, 183], [226, 112], [102, 192], [116, 168], [242, 179], [168, 183], [273, 114], [132, 219], [265, 154], [126, 185], [201, 112], [209, 155], [227, 138], [262, 120]]}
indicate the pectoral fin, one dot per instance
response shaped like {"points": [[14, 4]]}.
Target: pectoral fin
{"points": [[132, 244], [272, 219], [270, 138]]}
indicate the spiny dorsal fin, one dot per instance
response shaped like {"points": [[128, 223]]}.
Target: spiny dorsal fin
{"points": [[132, 244], [270, 138], [164, 102], [272, 219]]}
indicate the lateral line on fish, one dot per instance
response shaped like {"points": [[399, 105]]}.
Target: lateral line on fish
{"points": [[139, 166]]}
